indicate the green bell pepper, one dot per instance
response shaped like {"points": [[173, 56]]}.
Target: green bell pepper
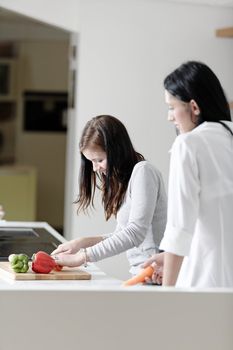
{"points": [[19, 262]]}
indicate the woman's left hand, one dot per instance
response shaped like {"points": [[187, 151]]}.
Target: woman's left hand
{"points": [[71, 260], [156, 261], [157, 277]]}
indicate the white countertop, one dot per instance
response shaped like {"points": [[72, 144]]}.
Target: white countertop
{"points": [[99, 281]]}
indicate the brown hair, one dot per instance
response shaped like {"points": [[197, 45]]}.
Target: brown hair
{"points": [[111, 136]]}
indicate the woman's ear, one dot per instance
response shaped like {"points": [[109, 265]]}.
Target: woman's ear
{"points": [[195, 108]]}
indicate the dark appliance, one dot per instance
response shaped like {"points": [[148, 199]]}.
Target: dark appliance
{"points": [[45, 111], [27, 240]]}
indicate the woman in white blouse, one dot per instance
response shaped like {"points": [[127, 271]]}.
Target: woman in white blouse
{"points": [[198, 240]]}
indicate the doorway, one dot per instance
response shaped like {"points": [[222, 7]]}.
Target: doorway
{"points": [[40, 57]]}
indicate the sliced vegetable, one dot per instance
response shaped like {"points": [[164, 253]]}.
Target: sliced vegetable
{"points": [[58, 267], [19, 262], [140, 278]]}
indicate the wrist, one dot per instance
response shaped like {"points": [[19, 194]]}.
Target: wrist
{"points": [[85, 257]]}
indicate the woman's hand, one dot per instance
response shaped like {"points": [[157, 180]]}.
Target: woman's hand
{"points": [[75, 245], [156, 261], [71, 260], [70, 247]]}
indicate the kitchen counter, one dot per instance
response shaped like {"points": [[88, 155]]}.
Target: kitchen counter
{"points": [[99, 281], [102, 314]]}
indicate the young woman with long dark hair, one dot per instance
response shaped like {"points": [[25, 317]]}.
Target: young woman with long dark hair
{"points": [[198, 239], [132, 191]]}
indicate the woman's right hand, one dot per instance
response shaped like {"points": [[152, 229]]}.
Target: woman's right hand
{"points": [[70, 247]]}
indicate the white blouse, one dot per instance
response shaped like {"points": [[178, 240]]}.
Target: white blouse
{"points": [[200, 206]]}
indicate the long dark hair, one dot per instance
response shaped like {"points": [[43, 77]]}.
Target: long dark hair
{"points": [[111, 136], [195, 80]]}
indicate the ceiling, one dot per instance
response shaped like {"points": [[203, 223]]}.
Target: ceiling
{"points": [[10, 16], [222, 3], [27, 26]]}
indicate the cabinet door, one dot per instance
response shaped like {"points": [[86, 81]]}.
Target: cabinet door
{"points": [[18, 194]]}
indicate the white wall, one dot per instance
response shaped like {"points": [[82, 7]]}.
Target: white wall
{"points": [[126, 48], [60, 13]]}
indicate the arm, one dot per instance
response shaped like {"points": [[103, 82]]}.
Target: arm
{"points": [[69, 254], [138, 211], [166, 268], [183, 207], [140, 207], [75, 245], [171, 268]]}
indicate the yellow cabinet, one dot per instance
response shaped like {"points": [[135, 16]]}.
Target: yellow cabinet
{"points": [[18, 192]]}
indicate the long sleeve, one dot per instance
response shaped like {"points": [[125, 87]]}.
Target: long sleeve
{"points": [[183, 199], [136, 214], [200, 202]]}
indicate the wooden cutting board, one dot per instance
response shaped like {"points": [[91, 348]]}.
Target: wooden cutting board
{"points": [[67, 273]]}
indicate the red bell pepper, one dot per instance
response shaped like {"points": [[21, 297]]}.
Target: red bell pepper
{"points": [[43, 263]]}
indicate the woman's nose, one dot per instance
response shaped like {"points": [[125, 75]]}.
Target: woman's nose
{"points": [[170, 117], [95, 166]]}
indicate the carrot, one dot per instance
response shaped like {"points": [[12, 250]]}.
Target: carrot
{"points": [[140, 278]]}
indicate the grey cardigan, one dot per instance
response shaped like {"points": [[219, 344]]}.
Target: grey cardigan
{"points": [[141, 219]]}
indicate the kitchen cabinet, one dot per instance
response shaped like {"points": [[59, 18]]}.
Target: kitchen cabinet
{"points": [[225, 33], [18, 192], [8, 106]]}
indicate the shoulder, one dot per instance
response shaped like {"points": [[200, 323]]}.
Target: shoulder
{"points": [[196, 140], [145, 169], [146, 178], [190, 141]]}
